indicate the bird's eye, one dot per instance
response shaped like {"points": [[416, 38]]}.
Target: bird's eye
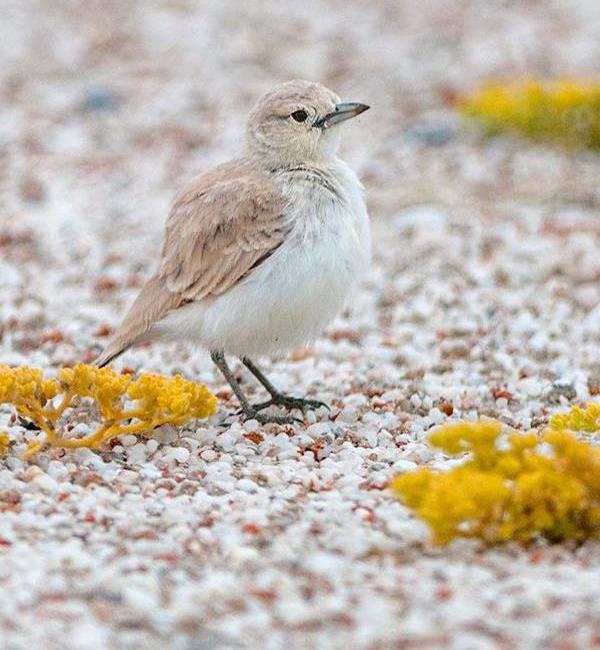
{"points": [[300, 116]]}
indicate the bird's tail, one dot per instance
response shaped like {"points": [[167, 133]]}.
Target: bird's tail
{"points": [[153, 302], [108, 355]]}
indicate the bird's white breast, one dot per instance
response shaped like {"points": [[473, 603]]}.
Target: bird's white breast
{"points": [[292, 295]]}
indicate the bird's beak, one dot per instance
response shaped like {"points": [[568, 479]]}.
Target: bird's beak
{"points": [[343, 111]]}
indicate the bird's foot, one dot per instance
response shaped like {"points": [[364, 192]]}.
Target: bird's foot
{"points": [[287, 402], [290, 403], [252, 413]]}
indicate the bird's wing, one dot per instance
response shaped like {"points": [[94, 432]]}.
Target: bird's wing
{"points": [[220, 228], [152, 303]]}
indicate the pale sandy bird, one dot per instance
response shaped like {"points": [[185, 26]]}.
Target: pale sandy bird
{"points": [[260, 252]]}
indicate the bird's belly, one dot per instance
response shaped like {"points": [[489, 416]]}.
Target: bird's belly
{"points": [[292, 295], [288, 300]]}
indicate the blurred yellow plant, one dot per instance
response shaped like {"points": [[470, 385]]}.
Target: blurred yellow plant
{"points": [[124, 404], [566, 110], [4, 442], [514, 488], [578, 418]]}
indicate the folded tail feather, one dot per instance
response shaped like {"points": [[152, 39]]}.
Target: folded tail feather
{"points": [[153, 303]]}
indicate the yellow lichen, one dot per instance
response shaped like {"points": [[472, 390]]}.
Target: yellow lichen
{"points": [[517, 487], [565, 111], [578, 418], [124, 404]]}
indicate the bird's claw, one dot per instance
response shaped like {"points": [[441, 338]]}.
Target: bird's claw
{"points": [[288, 402], [298, 403], [291, 403], [264, 418]]}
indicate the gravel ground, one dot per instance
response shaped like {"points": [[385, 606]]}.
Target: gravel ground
{"points": [[483, 300]]}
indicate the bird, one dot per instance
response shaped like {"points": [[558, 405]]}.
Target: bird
{"points": [[260, 252]]}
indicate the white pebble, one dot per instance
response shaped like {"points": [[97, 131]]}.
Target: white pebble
{"points": [[209, 455], [404, 466], [348, 415], [137, 453], [318, 429], [45, 482], [56, 469], [531, 386], [226, 440], [370, 437], [152, 445], [179, 454], [436, 416], [247, 485], [391, 396], [128, 476]]}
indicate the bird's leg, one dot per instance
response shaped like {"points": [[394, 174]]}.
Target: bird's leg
{"points": [[250, 411], [278, 398]]}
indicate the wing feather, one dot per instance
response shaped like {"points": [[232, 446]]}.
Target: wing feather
{"points": [[216, 233]]}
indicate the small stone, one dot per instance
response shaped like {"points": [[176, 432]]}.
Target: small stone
{"points": [[128, 476], [32, 189], [348, 415], [137, 453], [247, 485], [100, 99], [56, 469], [14, 464], [561, 391], [392, 396], [436, 416], [531, 386], [152, 445], [166, 434], [431, 133], [318, 429], [370, 436], [45, 482], [209, 455], [415, 400], [226, 440], [404, 466], [178, 454], [31, 473]]}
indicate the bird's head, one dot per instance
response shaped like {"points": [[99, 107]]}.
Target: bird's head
{"points": [[297, 122]]}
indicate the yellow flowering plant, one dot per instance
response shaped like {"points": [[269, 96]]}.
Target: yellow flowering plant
{"points": [[4, 442], [124, 404], [579, 418], [566, 110], [515, 487]]}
